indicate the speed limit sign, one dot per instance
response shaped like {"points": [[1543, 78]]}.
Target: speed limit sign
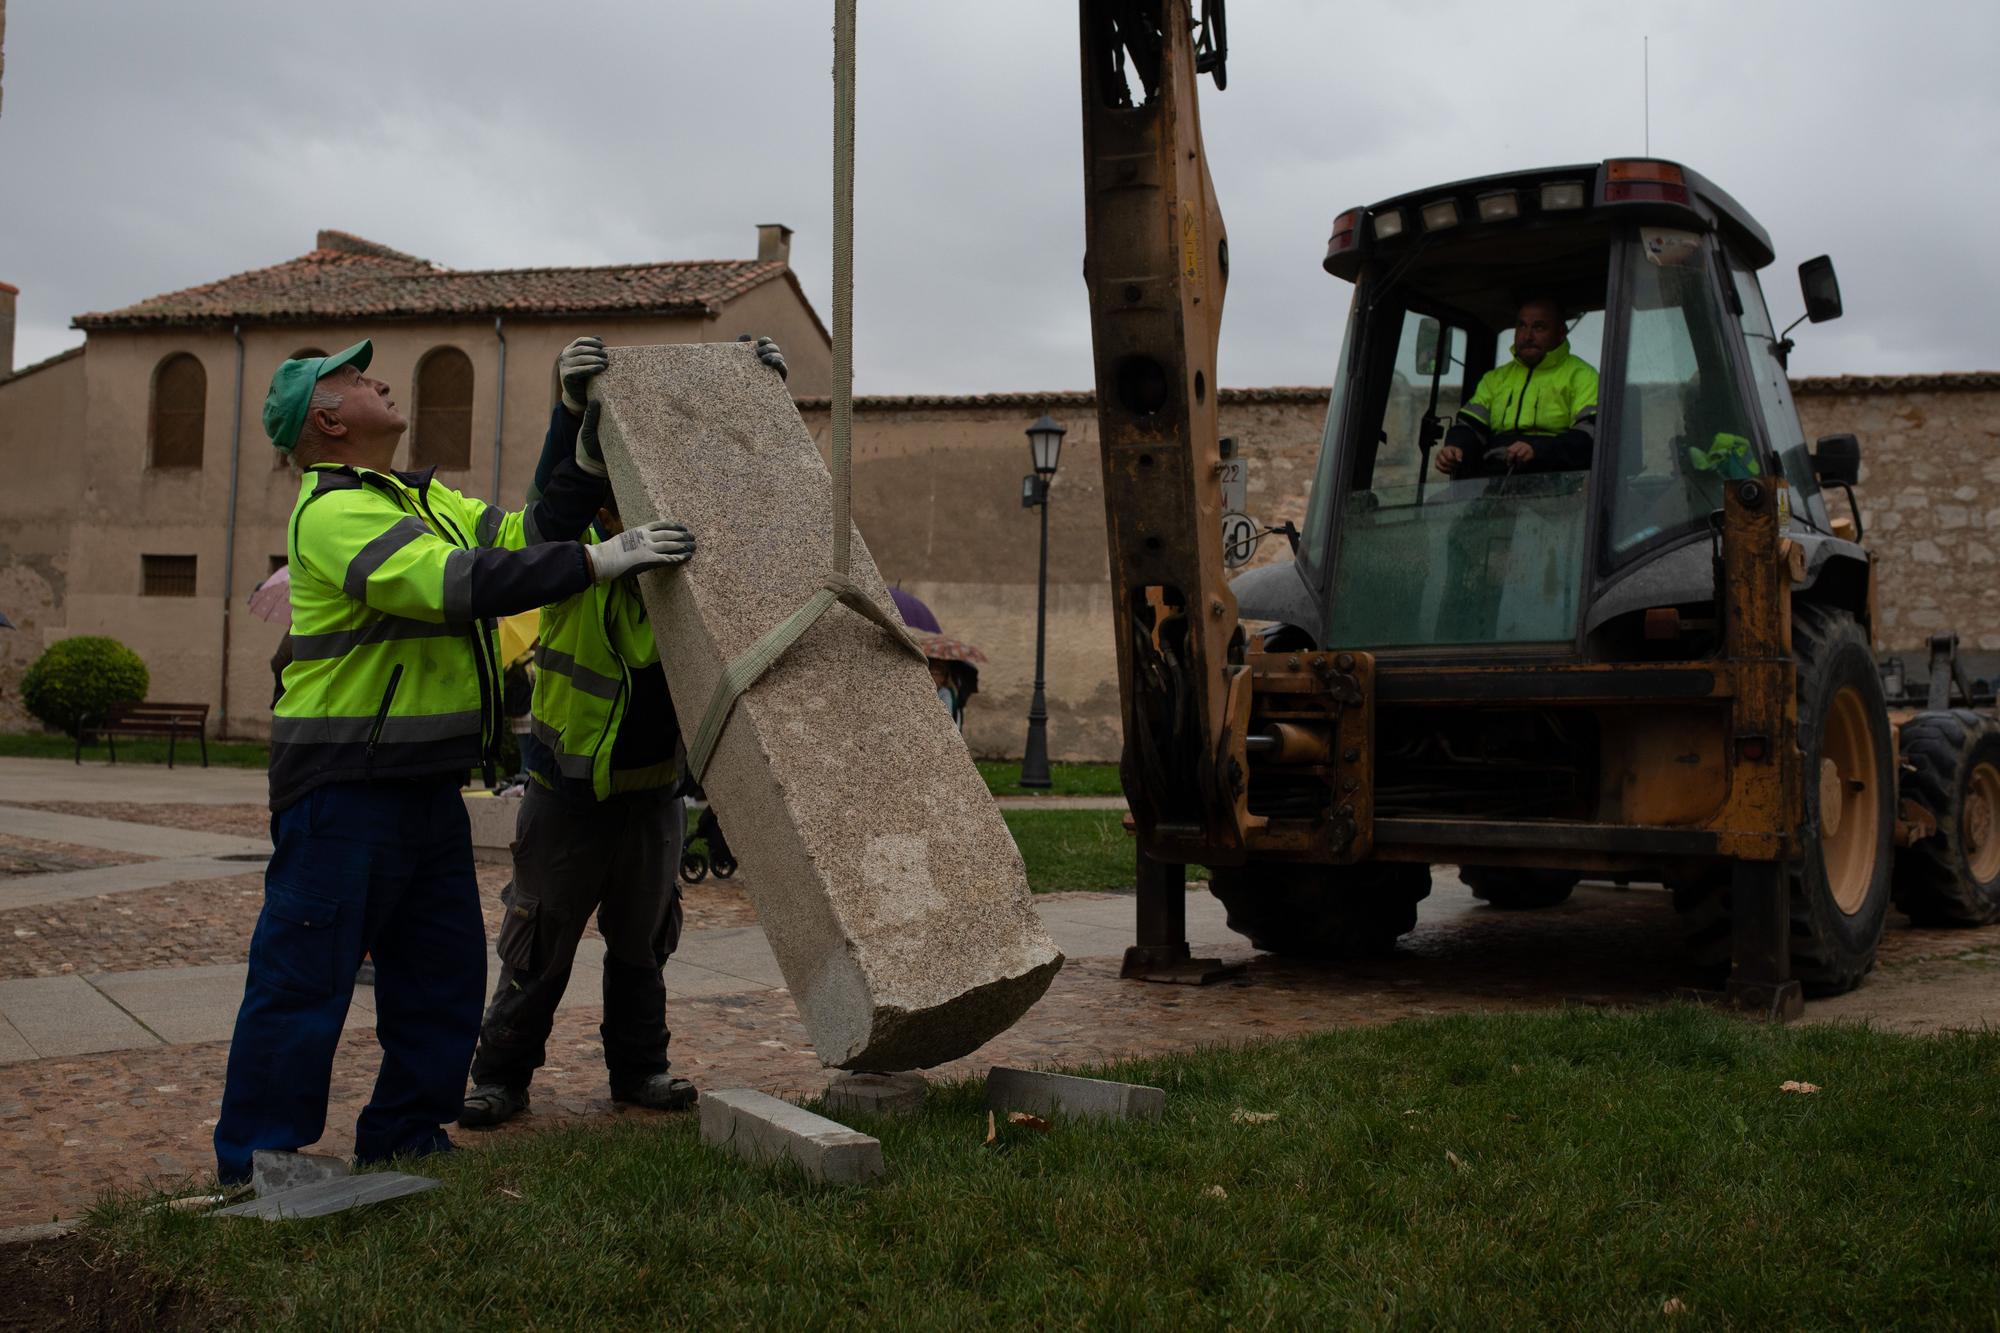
{"points": [[1239, 540]]}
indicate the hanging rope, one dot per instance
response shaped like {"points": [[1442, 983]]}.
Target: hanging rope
{"points": [[744, 672]]}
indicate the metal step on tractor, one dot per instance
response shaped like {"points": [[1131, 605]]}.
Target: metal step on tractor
{"points": [[1517, 637]]}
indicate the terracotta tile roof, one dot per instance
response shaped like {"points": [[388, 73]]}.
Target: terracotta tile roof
{"points": [[1948, 381], [1943, 381], [66, 354], [346, 277], [1074, 398]]}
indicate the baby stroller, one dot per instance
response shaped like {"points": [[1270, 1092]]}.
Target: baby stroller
{"points": [[707, 850]]}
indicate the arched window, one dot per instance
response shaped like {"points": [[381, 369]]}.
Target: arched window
{"points": [[443, 436], [180, 411]]}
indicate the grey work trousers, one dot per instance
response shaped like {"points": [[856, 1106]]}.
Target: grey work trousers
{"points": [[619, 858]]}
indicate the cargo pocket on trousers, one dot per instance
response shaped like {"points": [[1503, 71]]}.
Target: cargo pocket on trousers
{"points": [[296, 947], [518, 929]]}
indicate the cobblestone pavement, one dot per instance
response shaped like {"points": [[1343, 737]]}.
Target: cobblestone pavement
{"points": [[246, 821], [200, 922], [36, 856]]}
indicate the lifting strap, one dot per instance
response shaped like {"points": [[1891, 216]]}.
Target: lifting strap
{"points": [[754, 661]]}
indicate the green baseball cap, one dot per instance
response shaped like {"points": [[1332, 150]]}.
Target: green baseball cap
{"points": [[292, 390]]}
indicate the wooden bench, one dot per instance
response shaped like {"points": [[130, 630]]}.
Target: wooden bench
{"points": [[149, 719]]}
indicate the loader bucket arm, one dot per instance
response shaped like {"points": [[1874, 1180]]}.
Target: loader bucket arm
{"points": [[1156, 265]]}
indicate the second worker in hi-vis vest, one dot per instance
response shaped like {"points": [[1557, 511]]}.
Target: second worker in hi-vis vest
{"points": [[600, 831], [391, 697]]}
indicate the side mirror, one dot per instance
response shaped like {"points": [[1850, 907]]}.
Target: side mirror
{"points": [[1820, 288], [1429, 335], [1836, 460]]}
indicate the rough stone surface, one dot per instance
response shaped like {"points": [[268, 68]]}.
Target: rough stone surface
{"points": [[890, 889], [272, 1171], [876, 1094], [492, 819], [331, 1196], [1064, 1094], [763, 1128]]}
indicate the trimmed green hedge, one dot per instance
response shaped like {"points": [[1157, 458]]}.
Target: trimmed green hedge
{"points": [[76, 680]]}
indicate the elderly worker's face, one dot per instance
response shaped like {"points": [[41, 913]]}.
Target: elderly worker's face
{"points": [[1538, 330], [366, 407]]}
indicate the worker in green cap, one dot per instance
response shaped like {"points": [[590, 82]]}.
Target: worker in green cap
{"points": [[392, 695]]}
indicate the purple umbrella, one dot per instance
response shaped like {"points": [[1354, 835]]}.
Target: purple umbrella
{"points": [[914, 613]]}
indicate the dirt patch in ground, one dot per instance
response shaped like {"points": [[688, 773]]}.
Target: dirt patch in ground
{"points": [[72, 1282], [34, 856], [241, 821]]}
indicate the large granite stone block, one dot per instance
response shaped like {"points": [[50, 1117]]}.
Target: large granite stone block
{"points": [[879, 866]]}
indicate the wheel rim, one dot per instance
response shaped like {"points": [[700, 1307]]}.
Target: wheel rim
{"points": [[1981, 822], [1849, 829]]}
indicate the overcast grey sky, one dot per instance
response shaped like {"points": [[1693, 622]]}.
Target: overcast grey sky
{"points": [[151, 146]]}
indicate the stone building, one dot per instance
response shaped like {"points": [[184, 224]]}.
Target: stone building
{"points": [[119, 454], [144, 499]]}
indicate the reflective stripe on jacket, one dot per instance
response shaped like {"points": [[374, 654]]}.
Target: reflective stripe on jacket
{"points": [[598, 683], [1556, 395], [395, 581]]}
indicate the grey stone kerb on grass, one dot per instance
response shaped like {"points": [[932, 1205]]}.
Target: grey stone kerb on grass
{"points": [[881, 871]]}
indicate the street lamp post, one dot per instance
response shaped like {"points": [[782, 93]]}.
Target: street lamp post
{"points": [[1045, 439]]}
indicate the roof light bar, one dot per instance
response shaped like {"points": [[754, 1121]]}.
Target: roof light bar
{"points": [[1440, 215], [1558, 196], [1635, 180], [1499, 206], [1389, 224], [1346, 233]]}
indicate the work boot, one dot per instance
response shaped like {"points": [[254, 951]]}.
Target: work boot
{"points": [[492, 1104], [658, 1092]]}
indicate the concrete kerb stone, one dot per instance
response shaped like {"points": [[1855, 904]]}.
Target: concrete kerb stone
{"points": [[1065, 1094], [762, 1128], [331, 1196], [877, 1094], [273, 1171]]}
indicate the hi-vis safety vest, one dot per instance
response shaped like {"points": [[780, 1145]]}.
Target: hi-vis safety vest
{"points": [[1558, 394], [595, 655], [394, 672]]}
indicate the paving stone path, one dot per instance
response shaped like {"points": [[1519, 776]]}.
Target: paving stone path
{"points": [[120, 991]]}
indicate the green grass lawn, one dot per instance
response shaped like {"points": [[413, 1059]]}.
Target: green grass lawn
{"points": [[1571, 1170], [232, 754], [1076, 849], [1003, 778]]}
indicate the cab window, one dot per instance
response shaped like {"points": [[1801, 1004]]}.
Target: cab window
{"points": [[1774, 386], [1681, 433]]}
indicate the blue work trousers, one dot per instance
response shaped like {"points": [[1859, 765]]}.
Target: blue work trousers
{"points": [[376, 868]]}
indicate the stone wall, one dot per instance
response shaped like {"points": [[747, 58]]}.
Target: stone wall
{"points": [[937, 486], [1929, 495]]}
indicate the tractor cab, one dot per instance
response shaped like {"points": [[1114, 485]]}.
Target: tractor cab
{"points": [[1560, 548]]}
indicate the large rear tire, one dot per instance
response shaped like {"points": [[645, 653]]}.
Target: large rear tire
{"points": [[1839, 886], [1513, 889], [1322, 912], [1952, 878]]}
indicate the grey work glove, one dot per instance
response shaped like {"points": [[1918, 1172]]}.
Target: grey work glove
{"points": [[654, 545], [768, 353], [579, 361], [589, 449]]}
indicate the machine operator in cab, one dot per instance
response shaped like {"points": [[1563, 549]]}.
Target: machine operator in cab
{"points": [[1537, 413]]}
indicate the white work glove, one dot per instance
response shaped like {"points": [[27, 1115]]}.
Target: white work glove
{"points": [[579, 361], [589, 450], [654, 545], [767, 352]]}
